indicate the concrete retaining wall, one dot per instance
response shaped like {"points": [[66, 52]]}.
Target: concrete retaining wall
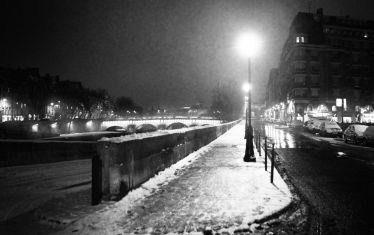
{"points": [[23, 152], [119, 167]]}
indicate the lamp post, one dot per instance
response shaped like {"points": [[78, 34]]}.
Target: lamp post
{"points": [[248, 45], [246, 87]]}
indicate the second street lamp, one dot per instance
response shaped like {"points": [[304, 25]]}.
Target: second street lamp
{"points": [[248, 45]]}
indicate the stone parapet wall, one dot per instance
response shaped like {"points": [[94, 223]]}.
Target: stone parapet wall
{"points": [[120, 166]]}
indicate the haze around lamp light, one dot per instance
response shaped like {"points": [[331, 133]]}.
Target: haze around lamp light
{"points": [[246, 87], [248, 44]]}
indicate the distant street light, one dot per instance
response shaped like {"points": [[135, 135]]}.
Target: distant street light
{"points": [[246, 87], [248, 45]]}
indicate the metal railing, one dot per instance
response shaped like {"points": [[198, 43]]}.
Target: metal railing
{"points": [[262, 143]]}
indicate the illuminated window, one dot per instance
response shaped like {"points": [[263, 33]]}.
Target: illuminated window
{"points": [[300, 39]]}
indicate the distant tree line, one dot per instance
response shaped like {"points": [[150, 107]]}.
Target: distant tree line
{"points": [[227, 101]]}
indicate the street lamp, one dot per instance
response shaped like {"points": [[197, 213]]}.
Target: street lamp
{"points": [[248, 45]]}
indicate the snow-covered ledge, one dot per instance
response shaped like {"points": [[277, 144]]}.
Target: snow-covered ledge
{"points": [[123, 163]]}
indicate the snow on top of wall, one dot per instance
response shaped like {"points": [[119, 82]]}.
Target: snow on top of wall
{"points": [[139, 136]]}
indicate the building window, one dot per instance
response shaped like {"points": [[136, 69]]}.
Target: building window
{"points": [[300, 80], [299, 53], [335, 81], [314, 80], [315, 69], [300, 39], [314, 92], [335, 69], [300, 92], [355, 57], [299, 66], [314, 53], [335, 56]]}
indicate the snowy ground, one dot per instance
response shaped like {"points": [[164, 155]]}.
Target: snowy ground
{"points": [[212, 187], [24, 188]]}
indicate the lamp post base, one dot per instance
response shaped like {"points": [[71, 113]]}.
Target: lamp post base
{"points": [[249, 155], [249, 159]]}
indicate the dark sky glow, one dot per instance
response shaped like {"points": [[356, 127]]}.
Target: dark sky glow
{"points": [[159, 52]]}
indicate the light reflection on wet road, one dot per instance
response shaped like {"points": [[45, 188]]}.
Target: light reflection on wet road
{"points": [[339, 189], [282, 136]]}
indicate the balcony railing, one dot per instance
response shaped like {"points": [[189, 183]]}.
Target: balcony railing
{"points": [[300, 57], [299, 71]]}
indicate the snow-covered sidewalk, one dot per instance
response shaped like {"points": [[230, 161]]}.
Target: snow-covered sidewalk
{"points": [[211, 187]]}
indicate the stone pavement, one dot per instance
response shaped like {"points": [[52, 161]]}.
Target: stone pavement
{"points": [[210, 189]]}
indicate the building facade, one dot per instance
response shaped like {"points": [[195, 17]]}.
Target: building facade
{"points": [[326, 70], [27, 95]]}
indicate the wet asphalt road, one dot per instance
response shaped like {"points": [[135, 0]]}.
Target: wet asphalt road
{"points": [[339, 187]]}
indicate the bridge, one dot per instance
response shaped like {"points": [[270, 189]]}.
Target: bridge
{"points": [[159, 121], [49, 128]]}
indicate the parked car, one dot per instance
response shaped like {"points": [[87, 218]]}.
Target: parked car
{"points": [[368, 136], [329, 128], [308, 125], [312, 125], [355, 133]]}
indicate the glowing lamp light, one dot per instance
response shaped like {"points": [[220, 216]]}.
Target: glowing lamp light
{"points": [[89, 124], [35, 128], [246, 87], [248, 44], [54, 125]]}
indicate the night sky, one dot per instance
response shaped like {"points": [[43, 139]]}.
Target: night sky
{"points": [[159, 52]]}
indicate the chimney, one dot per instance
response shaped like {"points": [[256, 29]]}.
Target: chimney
{"points": [[319, 15]]}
